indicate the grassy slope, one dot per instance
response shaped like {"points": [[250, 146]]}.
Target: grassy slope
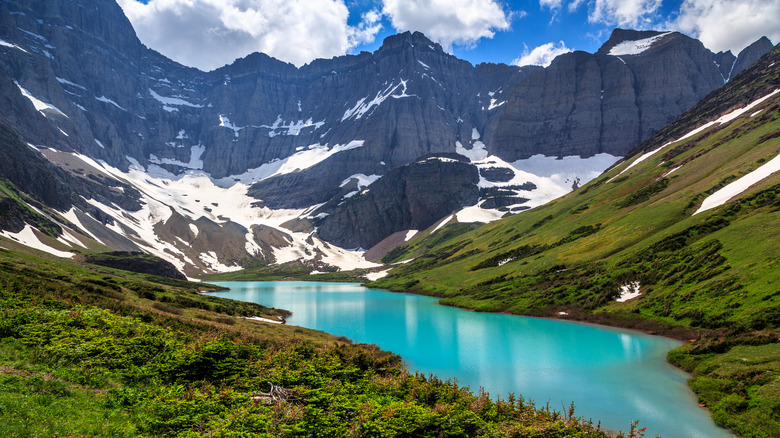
{"points": [[93, 351], [715, 274], [720, 260]]}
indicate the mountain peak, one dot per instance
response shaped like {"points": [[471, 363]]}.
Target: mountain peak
{"points": [[751, 53], [620, 37], [409, 38]]}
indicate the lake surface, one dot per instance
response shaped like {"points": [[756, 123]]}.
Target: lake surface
{"points": [[612, 375]]}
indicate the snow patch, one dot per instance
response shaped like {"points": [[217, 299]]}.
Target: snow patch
{"points": [[735, 188], [27, 237], [196, 152], [332, 255], [11, 45], [175, 101], [635, 47], [628, 291], [69, 239], [671, 171], [261, 319], [550, 178], [107, 100], [476, 153], [442, 159], [292, 128], [99, 144], [34, 35], [362, 180], [374, 276], [39, 105], [194, 229], [210, 259], [505, 261], [74, 219], [494, 104], [362, 106], [225, 123], [302, 160], [475, 213], [410, 234], [72, 84], [443, 223], [564, 169]]}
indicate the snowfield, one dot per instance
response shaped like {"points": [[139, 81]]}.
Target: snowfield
{"points": [[737, 187], [551, 176], [635, 47], [28, 237], [301, 160], [193, 195]]}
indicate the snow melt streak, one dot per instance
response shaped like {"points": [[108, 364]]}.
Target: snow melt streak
{"points": [[735, 188]]}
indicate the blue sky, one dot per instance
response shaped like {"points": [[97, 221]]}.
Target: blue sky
{"points": [[210, 33]]}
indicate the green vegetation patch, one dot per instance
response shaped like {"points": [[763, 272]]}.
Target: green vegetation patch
{"points": [[645, 193], [98, 352], [738, 379]]}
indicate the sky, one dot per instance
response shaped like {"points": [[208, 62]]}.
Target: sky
{"points": [[208, 34]]}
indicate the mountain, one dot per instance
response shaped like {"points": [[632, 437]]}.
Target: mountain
{"points": [[249, 163], [679, 238], [701, 184]]}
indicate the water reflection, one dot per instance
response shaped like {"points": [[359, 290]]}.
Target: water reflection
{"points": [[612, 375]]}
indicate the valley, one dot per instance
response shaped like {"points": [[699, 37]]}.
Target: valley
{"points": [[635, 187]]}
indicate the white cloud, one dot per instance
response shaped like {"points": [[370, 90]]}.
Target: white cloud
{"points": [[366, 31], [448, 21], [542, 55], [210, 33], [745, 22], [574, 5], [636, 14], [551, 4]]}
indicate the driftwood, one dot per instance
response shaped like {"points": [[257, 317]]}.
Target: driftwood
{"points": [[276, 394]]}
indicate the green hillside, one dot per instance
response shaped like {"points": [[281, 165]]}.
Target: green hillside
{"points": [[714, 274], [87, 350]]}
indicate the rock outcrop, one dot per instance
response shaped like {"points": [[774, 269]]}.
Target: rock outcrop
{"points": [[136, 262], [413, 196]]}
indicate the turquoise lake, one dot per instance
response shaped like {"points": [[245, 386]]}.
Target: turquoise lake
{"points": [[612, 375]]}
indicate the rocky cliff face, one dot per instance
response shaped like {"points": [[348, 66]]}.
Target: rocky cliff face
{"points": [[118, 101], [413, 196], [750, 54], [74, 79], [585, 104], [136, 262]]}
